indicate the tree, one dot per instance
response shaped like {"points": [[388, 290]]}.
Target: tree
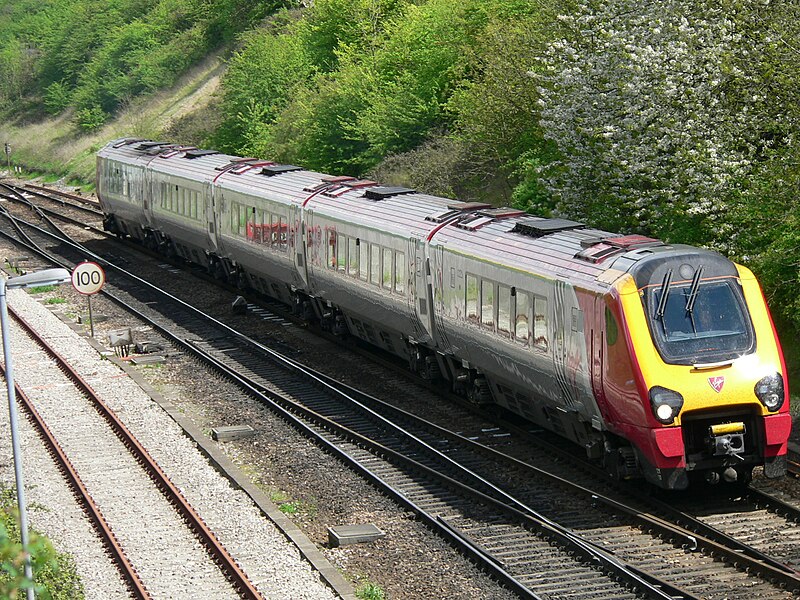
{"points": [[644, 103]]}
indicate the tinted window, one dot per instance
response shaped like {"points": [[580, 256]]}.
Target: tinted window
{"points": [[540, 322], [487, 303], [472, 298], [400, 273], [717, 328], [522, 325]]}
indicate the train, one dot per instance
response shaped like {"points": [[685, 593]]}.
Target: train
{"points": [[660, 360]]}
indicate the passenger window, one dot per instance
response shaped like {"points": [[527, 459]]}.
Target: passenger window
{"points": [[375, 264], [363, 260], [240, 215], [472, 298], [283, 233], [400, 273], [504, 310], [487, 303], [251, 225], [258, 226], [352, 257], [265, 227], [274, 230], [388, 265], [522, 322], [341, 259], [540, 323], [331, 256]]}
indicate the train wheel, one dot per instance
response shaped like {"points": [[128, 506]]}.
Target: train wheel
{"points": [[744, 475], [479, 392], [620, 463], [432, 371]]}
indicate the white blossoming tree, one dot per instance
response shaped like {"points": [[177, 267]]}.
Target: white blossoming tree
{"points": [[648, 105]]}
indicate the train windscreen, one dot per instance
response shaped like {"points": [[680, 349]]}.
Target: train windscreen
{"points": [[700, 323]]}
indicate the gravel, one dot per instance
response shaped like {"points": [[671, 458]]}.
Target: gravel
{"points": [[170, 567]]}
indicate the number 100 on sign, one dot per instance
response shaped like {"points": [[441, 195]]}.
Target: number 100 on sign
{"points": [[88, 278]]}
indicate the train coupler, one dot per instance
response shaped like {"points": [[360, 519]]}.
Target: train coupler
{"points": [[727, 439]]}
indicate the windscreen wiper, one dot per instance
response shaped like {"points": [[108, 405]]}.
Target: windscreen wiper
{"points": [[692, 296], [690, 299], [662, 301]]}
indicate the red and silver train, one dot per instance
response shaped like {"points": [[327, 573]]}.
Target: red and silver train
{"points": [[659, 359]]}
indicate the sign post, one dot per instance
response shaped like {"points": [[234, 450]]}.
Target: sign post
{"points": [[88, 278]]}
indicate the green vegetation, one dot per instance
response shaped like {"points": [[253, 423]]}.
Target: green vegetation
{"points": [[40, 289], [370, 591], [292, 507], [675, 119], [92, 57], [55, 300], [54, 574]]}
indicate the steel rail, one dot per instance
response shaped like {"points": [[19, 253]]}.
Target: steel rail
{"points": [[654, 588], [691, 540], [702, 535], [213, 546], [45, 213], [126, 569], [698, 536], [94, 206]]}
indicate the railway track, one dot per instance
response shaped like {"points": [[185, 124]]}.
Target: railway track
{"points": [[82, 442], [213, 340], [485, 533]]}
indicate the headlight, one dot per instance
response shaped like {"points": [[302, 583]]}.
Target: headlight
{"points": [[666, 404], [769, 390]]}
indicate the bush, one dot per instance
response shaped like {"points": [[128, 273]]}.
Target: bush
{"points": [[91, 118], [54, 574], [57, 97]]}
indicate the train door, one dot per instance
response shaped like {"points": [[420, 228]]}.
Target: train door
{"points": [[565, 366], [315, 247], [297, 243], [418, 291], [438, 295], [572, 354], [598, 349], [141, 192], [213, 196]]}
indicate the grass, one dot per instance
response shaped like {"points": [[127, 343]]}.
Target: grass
{"points": [[40, 289], [55, 148], [285, 504], [56, 301], [291, 507], [370, 591]]}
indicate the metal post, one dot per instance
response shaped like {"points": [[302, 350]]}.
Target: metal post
{"points": [[91, 320], [16, 449]]}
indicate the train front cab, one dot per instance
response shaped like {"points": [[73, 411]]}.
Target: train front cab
{"points": [[705, 396]]}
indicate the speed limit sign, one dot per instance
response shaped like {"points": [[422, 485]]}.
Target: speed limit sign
{"points": [[88, 278]]}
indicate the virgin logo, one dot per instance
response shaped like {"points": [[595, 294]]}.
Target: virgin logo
{"points": [[717, 383]]}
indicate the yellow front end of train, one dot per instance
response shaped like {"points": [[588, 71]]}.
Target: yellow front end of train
{"points": [[711, 375]]}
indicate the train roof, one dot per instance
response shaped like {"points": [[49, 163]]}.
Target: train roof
{"points": [[550, 247]]}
